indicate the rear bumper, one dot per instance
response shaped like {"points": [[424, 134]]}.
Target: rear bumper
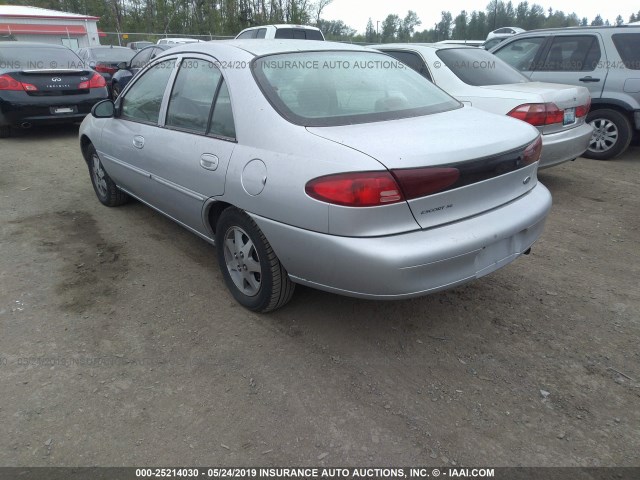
{"points": [[563, 146], [18, 108], [414, 263]]}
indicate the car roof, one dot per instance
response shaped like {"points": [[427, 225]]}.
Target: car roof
{"points": [[578, 28], [266, 47], [433, 46], [105, 47], [284, 25], [33, 45]]}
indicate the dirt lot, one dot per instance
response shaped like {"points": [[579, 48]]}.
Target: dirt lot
{"points": [[120, 345]]}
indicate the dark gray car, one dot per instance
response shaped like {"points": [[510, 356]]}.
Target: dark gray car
{"points": [[604, 59]]}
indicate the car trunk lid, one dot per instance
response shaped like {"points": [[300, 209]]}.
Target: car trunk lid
{"points": [[486, 149], [53, 82]]}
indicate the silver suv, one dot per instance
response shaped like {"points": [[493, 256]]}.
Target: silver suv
{"points": [[604, 59]]}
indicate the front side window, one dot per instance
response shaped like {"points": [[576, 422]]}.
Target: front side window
{"points": [[572, 54], [628, 46], [520, 54], [141, 59], [478, 67], [192, 95], [340, 87], [143, 100]]}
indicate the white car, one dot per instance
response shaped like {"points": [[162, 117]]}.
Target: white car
{"points": [[478, 78], [177, 41], [282, 31], [505, 32]]}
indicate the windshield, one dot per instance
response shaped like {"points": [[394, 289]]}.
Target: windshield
{"points": [[478, 67], [33, 58], [115, 55], [338, 88]]}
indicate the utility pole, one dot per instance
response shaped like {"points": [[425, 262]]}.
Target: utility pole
{"points": [[378, 30]]}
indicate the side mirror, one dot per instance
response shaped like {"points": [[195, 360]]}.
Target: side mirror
{"points": [[121, 65], [103, 109]]}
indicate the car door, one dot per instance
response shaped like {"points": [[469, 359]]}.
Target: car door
{"points": [[123, 146], [190, 154], [578, 59]]}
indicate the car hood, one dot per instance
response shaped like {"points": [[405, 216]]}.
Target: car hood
{"points": [[444, 138]]}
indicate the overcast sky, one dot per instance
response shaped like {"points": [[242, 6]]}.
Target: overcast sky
{"points": [[356, 13]]}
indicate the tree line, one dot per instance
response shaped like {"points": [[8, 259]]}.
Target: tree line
{"points": [[228, 17]]}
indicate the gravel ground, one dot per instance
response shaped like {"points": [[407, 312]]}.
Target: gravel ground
{"points": [[120, 344]]}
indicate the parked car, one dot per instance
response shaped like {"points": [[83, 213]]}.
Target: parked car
{"points": [[105, 59], [298, 32], [127, 70], [489, 44], [177, 41], [505, 32], [323, 164], [606, 60], [138, 45], [42, 83], [471, 43], [476, 77]]}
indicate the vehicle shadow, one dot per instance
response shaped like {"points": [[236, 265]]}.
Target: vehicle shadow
{"points": [[44, 132]]}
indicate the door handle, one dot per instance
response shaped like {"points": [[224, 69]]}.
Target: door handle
{"points": [[589, 79], [209, 161], [138, 141]]}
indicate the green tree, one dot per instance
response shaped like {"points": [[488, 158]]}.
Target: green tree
{"points": [[597, 22]]}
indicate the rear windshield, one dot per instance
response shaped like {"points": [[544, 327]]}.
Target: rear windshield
{"points": [[475, 66], [628, 46], [115, 55], [340, 88], [30, 58]]}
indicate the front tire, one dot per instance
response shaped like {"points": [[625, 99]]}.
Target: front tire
{"points": [[251, 269], [611, 136], [106, 190]]}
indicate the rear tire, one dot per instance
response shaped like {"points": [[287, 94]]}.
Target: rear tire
{"points": [[250, 267], [106, 190], [611, 136]]}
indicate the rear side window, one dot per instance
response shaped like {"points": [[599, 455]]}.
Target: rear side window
{"points": [[222, 124], [412, 60], [628, 46], [262, 32], [572, 54], [298, 33], [521, 53], [478, 67], [143, 100]]}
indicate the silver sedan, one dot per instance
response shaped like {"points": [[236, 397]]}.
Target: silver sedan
{"points": [[322, 164]]}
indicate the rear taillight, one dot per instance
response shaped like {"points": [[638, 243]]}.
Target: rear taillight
{"points": [[582, 110], [355, 189], [105, 69], [97, 81], [420, 182], [538, 114], [9, 83], [532, 153]]}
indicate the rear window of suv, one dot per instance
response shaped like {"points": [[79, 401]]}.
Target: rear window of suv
{"points": [[628, 46]]}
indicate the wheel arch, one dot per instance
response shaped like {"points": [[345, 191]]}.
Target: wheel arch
{"points": [[212, 211], [84, 144]]}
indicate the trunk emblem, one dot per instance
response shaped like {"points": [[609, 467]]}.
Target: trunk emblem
{"points": [[526, 180], [56, 79]]}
